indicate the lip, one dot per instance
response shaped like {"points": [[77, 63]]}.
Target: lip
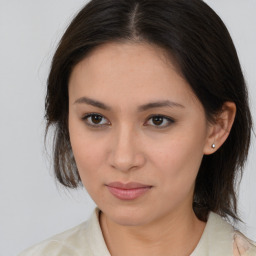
{"points": [[128, 191]]}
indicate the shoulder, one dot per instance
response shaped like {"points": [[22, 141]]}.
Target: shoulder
{"points": [[61, 244], [84, 239], [243, 246], [220, 238]]}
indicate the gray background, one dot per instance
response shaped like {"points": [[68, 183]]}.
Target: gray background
{"points": [[32, 206]]}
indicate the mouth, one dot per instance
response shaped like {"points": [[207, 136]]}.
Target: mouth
{"points": [[128, 191]]}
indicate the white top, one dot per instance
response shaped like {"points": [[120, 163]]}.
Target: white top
{"points": [[219, 239]]}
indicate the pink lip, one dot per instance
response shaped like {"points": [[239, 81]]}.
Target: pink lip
{"points": [[129, 191]]}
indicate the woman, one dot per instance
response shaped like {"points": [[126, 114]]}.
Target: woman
{"points": [[150, 112]]}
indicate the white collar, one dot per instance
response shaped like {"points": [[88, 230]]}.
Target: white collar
{"points": [[216, 240]]}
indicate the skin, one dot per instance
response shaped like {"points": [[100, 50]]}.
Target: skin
{"points": [[130, 146]]}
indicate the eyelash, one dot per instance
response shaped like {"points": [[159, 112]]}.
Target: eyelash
{"points": [[168, 120]]}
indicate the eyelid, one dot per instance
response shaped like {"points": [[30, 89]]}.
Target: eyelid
{"points": [[169, 119], [86, 116]]}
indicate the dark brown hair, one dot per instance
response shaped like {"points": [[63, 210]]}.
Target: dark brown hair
{"points": [[196, 38]]}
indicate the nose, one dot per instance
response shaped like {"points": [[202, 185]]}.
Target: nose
{"points": [[126, 153]]}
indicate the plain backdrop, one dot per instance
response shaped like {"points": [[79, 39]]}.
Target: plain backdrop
{"points": [[32, 206]]}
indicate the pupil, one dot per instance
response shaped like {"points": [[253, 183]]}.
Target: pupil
{"points": [[157, 120], [96, 119]]}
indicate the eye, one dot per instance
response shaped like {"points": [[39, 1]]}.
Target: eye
{"points": [[160, 121], [95, 120]]}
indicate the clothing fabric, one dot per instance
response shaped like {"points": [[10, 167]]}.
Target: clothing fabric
{"points": [[218, 239]]}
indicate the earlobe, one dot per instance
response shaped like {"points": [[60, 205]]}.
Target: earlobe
{"points": [[220, 129]]}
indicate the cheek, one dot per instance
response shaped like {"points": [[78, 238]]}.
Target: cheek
{"points": [[178, 152], [89, 160], [177, 160], [176, 171], [88, 150]]}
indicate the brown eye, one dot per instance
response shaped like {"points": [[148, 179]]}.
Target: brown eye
{"points": [[95, 120], [160, 121], [157, 120]]}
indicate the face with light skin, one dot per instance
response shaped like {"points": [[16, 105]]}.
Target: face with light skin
{"points": [[117, 135]]}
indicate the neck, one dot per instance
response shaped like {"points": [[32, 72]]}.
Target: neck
{"points": [[175, 234]]}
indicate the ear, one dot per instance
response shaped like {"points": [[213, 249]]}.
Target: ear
{"points": [[218, 131]]}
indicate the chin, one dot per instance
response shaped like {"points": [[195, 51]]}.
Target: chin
{"points": [[127, 216], [129, 221]]}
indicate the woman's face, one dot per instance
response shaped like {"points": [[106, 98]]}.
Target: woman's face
{"points": [[137, 131]]}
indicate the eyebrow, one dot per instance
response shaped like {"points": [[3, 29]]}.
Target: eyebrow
{"points": [[144, 107]]}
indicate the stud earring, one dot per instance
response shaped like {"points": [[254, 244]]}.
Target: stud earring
{"points": [[213, 145]]}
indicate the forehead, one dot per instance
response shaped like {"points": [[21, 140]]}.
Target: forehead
{"points": [[127, 48], [129, 70], [131, 54]]}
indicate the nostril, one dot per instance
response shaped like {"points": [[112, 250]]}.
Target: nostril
{"points": [[127, 161]]}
